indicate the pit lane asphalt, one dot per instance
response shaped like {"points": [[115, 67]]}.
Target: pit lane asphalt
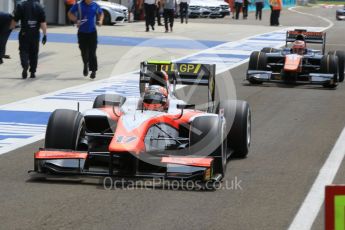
{"points": [[293, 131]]}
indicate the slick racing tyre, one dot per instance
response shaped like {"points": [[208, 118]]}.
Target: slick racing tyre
{"points": [[63, 130], [269, 50], [341, 63], [207, 134], [238, 126], [257, 61], [108, 100], [329, 65]]}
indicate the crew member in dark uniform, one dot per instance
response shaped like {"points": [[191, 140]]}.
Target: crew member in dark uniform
{"points": [[184, 10], [32, 17], [5, 31]]}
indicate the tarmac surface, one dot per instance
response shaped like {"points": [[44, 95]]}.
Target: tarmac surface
{"points": [[293, 131]]}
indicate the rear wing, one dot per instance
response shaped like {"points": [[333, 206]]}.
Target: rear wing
{"points": [[308, 37], [181, 73]]}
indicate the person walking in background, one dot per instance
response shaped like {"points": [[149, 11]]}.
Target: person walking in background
{"points": [[271, 15], [232, 7], [184, 10], [150, 9], [5, 31], [276, 6], [246, 3], [238, 7], [259, 5], [85, 14], [68, 6], [169, 7], [32, 17], [131, 10], [159, 12]]}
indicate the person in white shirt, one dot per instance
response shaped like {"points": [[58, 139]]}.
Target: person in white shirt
{"points": [[150, 9], [184, 10]]}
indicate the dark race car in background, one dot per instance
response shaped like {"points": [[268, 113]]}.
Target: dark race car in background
{"points": [[285, 66], [120, 137], [340, 14]]}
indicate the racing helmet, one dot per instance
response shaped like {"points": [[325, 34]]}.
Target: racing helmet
{"points": [[298, 47], [155, 98]]}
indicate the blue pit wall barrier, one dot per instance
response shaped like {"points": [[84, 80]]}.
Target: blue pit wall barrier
{"points": [[286, 4]]}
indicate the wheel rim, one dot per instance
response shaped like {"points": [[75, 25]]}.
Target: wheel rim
{"points": [[224, 149], [249, 128], [81, 135]]}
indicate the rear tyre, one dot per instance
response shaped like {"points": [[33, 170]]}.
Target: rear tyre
{"points": [[63, 130], [269, 50], [329, 64], [257, 61], [108, 100], [238, 126], [207, 134], [341, 63]]}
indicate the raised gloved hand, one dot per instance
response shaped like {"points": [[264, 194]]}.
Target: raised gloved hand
{"points": [[44, 39]]}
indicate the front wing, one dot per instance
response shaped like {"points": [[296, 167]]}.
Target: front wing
{"points": [[73, 163], [269, 76]]}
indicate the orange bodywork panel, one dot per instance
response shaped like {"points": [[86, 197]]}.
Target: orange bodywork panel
{"points": [[190, 161], [134, 140], [45, 154], [293, 63]]}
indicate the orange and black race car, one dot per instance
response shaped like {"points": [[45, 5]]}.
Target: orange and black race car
{"points": [[154, 135], [298, 64]]}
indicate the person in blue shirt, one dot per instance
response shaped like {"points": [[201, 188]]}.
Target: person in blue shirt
{"points": [[87, 14]]}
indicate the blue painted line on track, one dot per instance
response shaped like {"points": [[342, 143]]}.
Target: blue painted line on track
{"points": [[134, 41], [125, 88], [220, 58], [39, 118], [268, 39], [3, 137]]}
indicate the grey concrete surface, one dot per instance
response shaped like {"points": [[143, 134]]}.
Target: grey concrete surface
{"points": [[294, 129]]}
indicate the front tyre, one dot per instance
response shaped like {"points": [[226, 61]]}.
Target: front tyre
{"points": [[207, 135], [64, 129], [341, 63], [329, 65], [257, 61]]}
